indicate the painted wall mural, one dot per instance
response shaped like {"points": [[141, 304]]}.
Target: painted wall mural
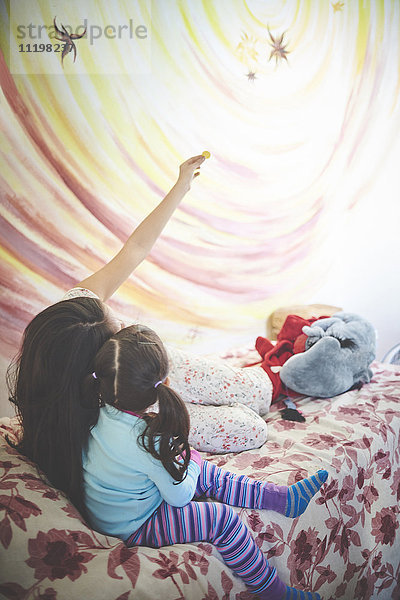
{"points": [[297, 101]]}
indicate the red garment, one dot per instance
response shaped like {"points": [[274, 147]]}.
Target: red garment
{"points": [[290, 340]]}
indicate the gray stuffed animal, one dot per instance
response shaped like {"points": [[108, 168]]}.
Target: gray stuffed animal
{"points": [[338, 353]]}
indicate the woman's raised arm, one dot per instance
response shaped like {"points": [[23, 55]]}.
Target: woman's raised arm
{"points": [[110, 277]]}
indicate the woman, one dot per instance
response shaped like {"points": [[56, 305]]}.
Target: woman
{"points": [[59, 346]]}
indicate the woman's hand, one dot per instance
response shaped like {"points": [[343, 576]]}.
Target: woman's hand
{"points": [[106, 280], [188, 168]]}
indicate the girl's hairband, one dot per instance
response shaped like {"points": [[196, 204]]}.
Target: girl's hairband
{"points": [[94, 375]]}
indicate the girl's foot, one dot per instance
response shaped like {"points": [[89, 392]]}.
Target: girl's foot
{"points": [[289, 594], [292, 501], [293, 594], [300, 493]]}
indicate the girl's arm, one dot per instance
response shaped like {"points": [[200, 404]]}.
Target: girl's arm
{"points": [[174, 493], [109, 278]]}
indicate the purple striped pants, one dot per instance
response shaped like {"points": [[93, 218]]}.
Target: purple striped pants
{"points": [[216, 523]]}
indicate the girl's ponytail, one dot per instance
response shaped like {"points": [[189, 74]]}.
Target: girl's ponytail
{"points": [[166, 433]]}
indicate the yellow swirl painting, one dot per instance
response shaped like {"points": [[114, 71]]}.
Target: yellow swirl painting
{"points": [[102, 101]]}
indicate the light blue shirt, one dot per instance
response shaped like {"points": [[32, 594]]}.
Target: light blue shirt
{"points": [[123, 483]]}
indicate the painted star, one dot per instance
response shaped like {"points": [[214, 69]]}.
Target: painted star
{"points": [[278, 50], [67, 38], [251, 76], [246, 48], [337, 6]]}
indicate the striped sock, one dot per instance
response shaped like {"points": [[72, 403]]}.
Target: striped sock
{"points": [[289, 593], [293, 594], [299, 495]]}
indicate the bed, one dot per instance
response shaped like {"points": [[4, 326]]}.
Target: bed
{"points": [[345, 546]]}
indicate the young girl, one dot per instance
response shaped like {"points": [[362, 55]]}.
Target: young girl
{"points": [[143, 483]]}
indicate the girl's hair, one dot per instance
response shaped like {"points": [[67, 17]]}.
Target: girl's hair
{"points": [[45, 382], [127, 368]]}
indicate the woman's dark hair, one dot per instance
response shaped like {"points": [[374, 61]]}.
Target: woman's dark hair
{"points": [[45, 385], [127, 368]]}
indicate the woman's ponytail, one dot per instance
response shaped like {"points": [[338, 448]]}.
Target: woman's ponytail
{"points": [[166, 433], [57, 353]]}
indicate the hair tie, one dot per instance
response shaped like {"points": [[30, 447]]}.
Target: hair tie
{"points": [[158, 383], [94, 375]]}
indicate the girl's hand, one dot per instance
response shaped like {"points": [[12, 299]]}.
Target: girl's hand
{"points": [[188, 168]]}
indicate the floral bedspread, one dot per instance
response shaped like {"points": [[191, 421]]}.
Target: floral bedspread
{"points": [[345, 546]]}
